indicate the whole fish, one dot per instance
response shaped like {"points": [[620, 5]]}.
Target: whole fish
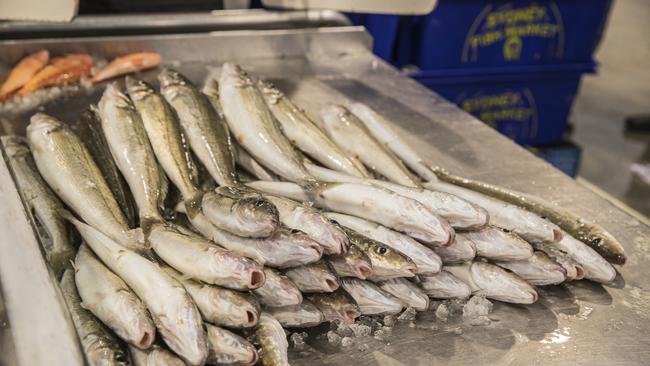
{"points": [[424, 258], [278, 290], [301, 217], [494, 243], [154, 356], [89, 130], [127, 64], [587, 232], [283, 249], [62, 159], [595, 267], [244, 160], [407, 292], [444, 285], [371, 203], [355, 139], [354, 263], [461, 250], [273, 342], [164, 132], [60, 71], [255, 128], [99, 345], [42, 203], [241, 211], [574, 270], [386, 263], [175, 314], [23, 72], [303, 133], [532, 228], [227, 348], [336, 306], [314, 277], [456, 211], [206, 132], [130, 147], [200, 259], [382, 130], [220, 306], [538, 270], [112, 301], [304, 315], [494, 282], [371, 299]]}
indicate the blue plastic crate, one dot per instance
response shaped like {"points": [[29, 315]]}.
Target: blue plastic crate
{"points": [[383, 29], [529, 104], [565, 157], [462, 33]]}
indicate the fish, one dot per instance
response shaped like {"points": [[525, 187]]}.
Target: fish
{"points": [[278, 290], [371, 299], [371, 203], [354, 138], [112, 301], [574, 270], [461, 250], [380, 128], [529, 226], [336, 306], [99, 344], [62, 159], [354, 263], [241, 211], [595, 267], [580, 228], [200, 259], [538, 270], [60, 71], [249, 164], [283, 249], [154, 356], [206, 131], [406, 292], [220, 306], [314, 277], [133, 154], [127, 64], [496, 244], [303, 133], [270, 335], [176, 316], [302, 217], [42, 203], [227, 348], [386, 263], [424, 258], [164, 132], [255, 128], [304, 315], [89, 130], [444, 285], [459, 213], [211, 91], [494, 282], [23, 72]]}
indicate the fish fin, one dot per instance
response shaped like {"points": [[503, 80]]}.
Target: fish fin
{"points": [[193, 205]]}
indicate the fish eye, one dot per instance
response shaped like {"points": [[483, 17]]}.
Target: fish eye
{"points": [[121, 358], [596, 241], [381, 250]]}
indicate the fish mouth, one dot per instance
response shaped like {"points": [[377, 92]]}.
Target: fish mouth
{"points": [[580, 272], [363, 270], [256, 279], [348, 315], [410, 270], [557, 235], [251, 317], [254, 357], [145, 341], [332, 284]]}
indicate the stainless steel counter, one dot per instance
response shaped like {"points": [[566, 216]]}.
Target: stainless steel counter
{"points": [[577, 323]]}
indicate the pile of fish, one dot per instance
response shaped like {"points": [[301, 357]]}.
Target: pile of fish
{"points": [[213, 219]]}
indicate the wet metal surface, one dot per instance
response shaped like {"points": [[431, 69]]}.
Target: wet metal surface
{"points": [[576, 323]]}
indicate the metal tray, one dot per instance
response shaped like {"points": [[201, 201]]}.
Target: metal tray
{"points": [[576, 323]]}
